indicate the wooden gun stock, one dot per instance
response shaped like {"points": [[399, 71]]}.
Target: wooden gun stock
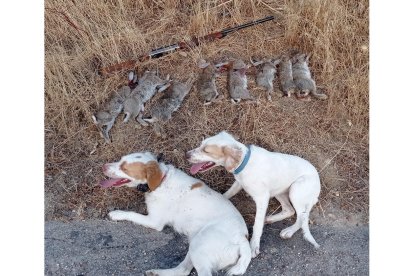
{"points": [[123, 66], [126, 65]]}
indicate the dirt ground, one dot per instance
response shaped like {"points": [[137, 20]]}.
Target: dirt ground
{"points": [[97, 247], [332, 134]]}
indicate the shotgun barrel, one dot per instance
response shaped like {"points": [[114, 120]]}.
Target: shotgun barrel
{"points": [[246, 25], [159, 52]]}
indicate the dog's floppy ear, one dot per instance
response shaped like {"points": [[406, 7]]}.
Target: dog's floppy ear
{"points": [[233, 155], [154, 175]]}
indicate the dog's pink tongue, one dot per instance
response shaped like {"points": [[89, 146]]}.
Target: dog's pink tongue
{"points": [[113, 182], [197, 167]]}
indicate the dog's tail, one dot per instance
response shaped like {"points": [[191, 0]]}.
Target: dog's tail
{"points": [[305, 226], [245, 256]]}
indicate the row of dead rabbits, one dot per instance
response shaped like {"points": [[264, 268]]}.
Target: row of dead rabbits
{"points": [[294, 75]]}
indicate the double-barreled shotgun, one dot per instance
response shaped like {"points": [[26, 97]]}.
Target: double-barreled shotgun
{"points": [[184, 45]]}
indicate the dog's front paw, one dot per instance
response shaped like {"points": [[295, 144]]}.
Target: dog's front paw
{"points": [[117, 215], [151, 272], [255, 248], [287, 233]]}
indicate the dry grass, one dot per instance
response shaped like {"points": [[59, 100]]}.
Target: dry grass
{"points": [[332, 134]]}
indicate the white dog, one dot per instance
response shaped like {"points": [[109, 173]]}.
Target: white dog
{"points": [[263, 174], [217, 232]]}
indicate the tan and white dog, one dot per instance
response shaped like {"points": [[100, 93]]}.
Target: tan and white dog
{"points": [[217, 233], [263, 174]]}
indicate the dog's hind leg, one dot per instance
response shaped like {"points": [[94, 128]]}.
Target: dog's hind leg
{"points": [[201, 265], [287, 209], [243, 262], [303, 194], [203, 269], [183, 269]]}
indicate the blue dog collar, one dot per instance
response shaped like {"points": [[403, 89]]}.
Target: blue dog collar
{"points": [[244, 162]]}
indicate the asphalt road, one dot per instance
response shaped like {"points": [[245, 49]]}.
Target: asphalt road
{"points": [[100, 247]]}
